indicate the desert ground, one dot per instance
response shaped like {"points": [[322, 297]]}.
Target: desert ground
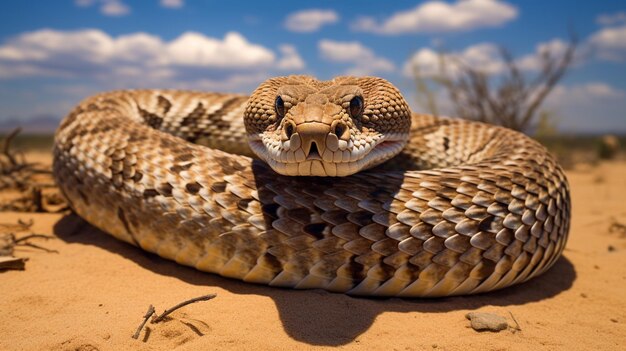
{"points": [[92, 292]]}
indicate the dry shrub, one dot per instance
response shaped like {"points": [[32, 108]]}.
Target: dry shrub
{"points": [[32, 183], [513, 102], [608, 147]]}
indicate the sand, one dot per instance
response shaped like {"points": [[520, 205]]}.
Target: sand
{"points": [[93, 293]]}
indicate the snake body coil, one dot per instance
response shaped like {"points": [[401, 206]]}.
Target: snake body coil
{"points": [[463, 208]]}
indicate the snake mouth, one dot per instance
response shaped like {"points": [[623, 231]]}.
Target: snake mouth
{"points": [[339, 163]]}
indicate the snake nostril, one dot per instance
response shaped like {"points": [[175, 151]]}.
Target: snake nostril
{"points": [[341, 130], [288, 129]]}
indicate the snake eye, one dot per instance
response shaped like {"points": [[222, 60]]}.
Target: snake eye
{"points": [[356, 106], [279, 106]]}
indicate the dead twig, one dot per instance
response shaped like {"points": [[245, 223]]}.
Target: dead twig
{"points": [[155, 319], [517, 327], [23, 241], [25, 224], [32, 236], [35, 246], [8, 242], [37, 199], [9, 262], [21, 226], [182, 304], [149, 313]]}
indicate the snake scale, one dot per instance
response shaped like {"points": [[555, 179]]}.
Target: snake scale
{"points": [[207, 180]]}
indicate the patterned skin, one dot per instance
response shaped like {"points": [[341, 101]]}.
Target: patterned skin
{"points": [[303, 127], [463, 208]]}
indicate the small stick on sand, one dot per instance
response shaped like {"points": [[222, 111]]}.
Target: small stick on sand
{"points": [[37, 199], [35, 246], [155, 319], [517, 327], [31, 236], [182, 304], [23, 241], [8, 262], [149, 313], [25, 225]]}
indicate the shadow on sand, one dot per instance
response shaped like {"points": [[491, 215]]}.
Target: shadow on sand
{"points": [[344, 318]]}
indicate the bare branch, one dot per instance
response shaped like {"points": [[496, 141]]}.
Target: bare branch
{"points": [[553, 72], [517, 327], [9, 262], [515, 100], [9, 242], [182, 304], [31, 236], [35, 246], [148, 314]]}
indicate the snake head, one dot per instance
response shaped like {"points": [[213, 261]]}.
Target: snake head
{"points": [[304, 127]]}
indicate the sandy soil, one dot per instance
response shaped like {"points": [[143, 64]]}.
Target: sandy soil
{"points": [[93, 293]]}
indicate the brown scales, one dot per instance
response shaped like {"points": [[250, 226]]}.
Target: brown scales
{"points": [[465, 208]]}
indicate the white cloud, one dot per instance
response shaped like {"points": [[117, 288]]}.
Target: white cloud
{"points": [[611, 19], [610, 43], [365, 61], [584, 93], [484, 57], [533, 62], [438, 16], [291, 60], [85, 45], [234, 51], [173, 4], [142, 58], [95, 46], [136, 47], [231, 83], [589, 107], [115, 8], [427, 62], [347, 51], [310, 20]]}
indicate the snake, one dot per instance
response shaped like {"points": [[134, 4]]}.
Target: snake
{"points": [[312, 184]]}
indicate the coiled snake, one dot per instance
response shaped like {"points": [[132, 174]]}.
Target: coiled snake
{"points": [[458, 208]]}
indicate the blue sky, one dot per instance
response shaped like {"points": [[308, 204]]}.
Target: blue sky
{"points": [[54, 53]]}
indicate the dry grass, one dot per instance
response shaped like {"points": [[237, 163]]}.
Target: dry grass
{"points": [[30, 185]]}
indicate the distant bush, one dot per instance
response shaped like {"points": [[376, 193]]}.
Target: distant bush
{"points": [[608, 147], [511, 99]]}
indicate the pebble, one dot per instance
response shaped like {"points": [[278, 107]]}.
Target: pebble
{"points": [[481, 321]]}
